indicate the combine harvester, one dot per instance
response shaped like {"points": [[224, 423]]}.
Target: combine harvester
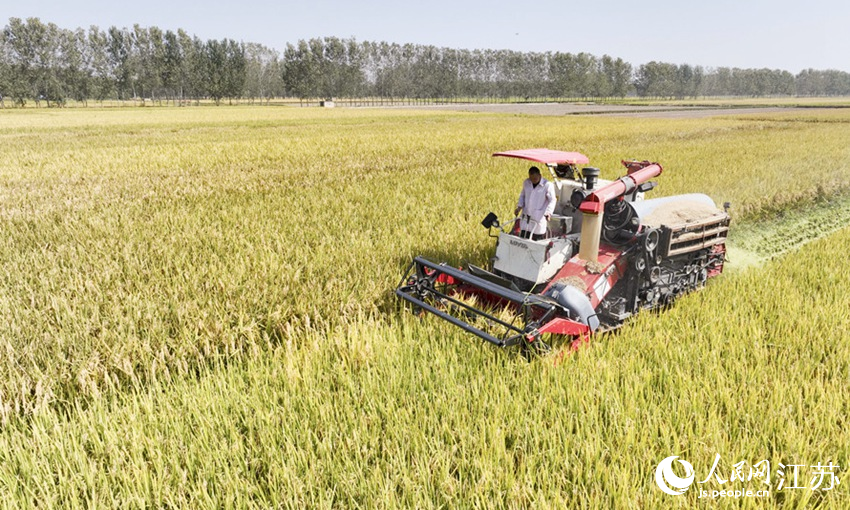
{"points": [[608, 254]]}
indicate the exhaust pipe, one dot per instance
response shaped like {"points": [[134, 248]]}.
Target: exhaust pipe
{"points": [[591, 175]]}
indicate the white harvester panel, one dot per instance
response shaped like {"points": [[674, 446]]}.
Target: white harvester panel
{"points": [[528, 259], [564, 189], [560, 225]]}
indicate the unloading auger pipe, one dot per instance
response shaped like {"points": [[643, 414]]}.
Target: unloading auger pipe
{"points": [[593, 208], [595, 202]]}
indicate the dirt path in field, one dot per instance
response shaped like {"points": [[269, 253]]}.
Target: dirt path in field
{"points": [[751, 244], [560, 109]]}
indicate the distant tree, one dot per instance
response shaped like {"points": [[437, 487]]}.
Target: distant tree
{"points": [[234, 68], [223, 69], [43, 62], [586, 77], [656, 79], [393, 74], [301, 71], [263, 73], [191, 66], [577, 75], [102, 77], [149, 60], [5, 71], [214, 62], [332, 64], [30, 47], [120, 55], [811, 82], [171, 64], [618, 75], [75, 64], [9, 79], [786, 86], [717, 82]]}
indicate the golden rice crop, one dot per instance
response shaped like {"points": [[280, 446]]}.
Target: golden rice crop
{"points": [[197, 312], [410, 413]]}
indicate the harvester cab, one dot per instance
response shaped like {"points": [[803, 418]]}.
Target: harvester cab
{"points": [[526, 262], [607, 253]]}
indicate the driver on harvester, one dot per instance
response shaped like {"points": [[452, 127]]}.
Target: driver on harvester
{"points": [[537, 203]]}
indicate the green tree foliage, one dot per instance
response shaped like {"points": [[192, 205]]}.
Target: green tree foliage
{"points": [[119, 59], [822, 83], [327, 68], [657, 79], [263, 73], [222, 69], [32, 49], [102, 80], [45, 63]]}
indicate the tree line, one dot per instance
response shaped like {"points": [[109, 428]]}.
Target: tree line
{"points": [[43, 62]]}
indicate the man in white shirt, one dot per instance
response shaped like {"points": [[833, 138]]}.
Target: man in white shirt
{"points": [[537, 203]]}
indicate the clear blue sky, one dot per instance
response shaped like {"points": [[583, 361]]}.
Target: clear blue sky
{"points": [[778, 34]]}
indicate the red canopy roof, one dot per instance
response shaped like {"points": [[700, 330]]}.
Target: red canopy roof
{"points": [[547, 156]]}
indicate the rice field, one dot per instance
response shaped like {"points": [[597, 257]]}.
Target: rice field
{"points": [[197, 312]]}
